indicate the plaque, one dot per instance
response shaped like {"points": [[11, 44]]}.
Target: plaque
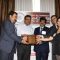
{"points": [[31, 39]]}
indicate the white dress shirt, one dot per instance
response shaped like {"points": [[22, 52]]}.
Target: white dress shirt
{"points": [[24, 29]]}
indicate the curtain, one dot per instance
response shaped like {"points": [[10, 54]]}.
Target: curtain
{"points": [[57, 8], [5, 7]]}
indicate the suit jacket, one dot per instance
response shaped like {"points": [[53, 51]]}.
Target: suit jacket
{"points": [[52, 30], [8, 36], [44, 47]]}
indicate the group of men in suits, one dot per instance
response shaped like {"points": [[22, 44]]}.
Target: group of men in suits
{"points": [[9, 40], [42, 48]]}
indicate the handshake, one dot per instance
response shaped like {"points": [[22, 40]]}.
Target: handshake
{"points": [[32, 39]]}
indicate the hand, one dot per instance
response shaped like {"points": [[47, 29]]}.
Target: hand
{"points": [[38, 39], [38, 42], [24, 40]]}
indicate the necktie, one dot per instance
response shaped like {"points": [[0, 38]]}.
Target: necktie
{"points": [[41, 30]]}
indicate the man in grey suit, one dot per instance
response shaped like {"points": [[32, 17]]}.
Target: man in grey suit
{"points": [[9, 37]]}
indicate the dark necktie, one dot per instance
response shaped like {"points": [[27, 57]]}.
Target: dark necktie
{"points": [[41, 30]]}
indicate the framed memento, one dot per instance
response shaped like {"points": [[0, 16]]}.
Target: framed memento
{"points": [[31, 39]]}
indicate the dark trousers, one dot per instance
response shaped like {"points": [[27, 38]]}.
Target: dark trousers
{"points": [[6, 56], [41, 56], [23, 52], [53, 55]]}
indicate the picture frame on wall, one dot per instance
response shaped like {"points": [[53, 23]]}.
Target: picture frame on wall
{"points": [[35, 16]]}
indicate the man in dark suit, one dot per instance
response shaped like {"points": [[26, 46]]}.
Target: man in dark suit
{"points": [[53, 30], [42, 48], [9, 37]]}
